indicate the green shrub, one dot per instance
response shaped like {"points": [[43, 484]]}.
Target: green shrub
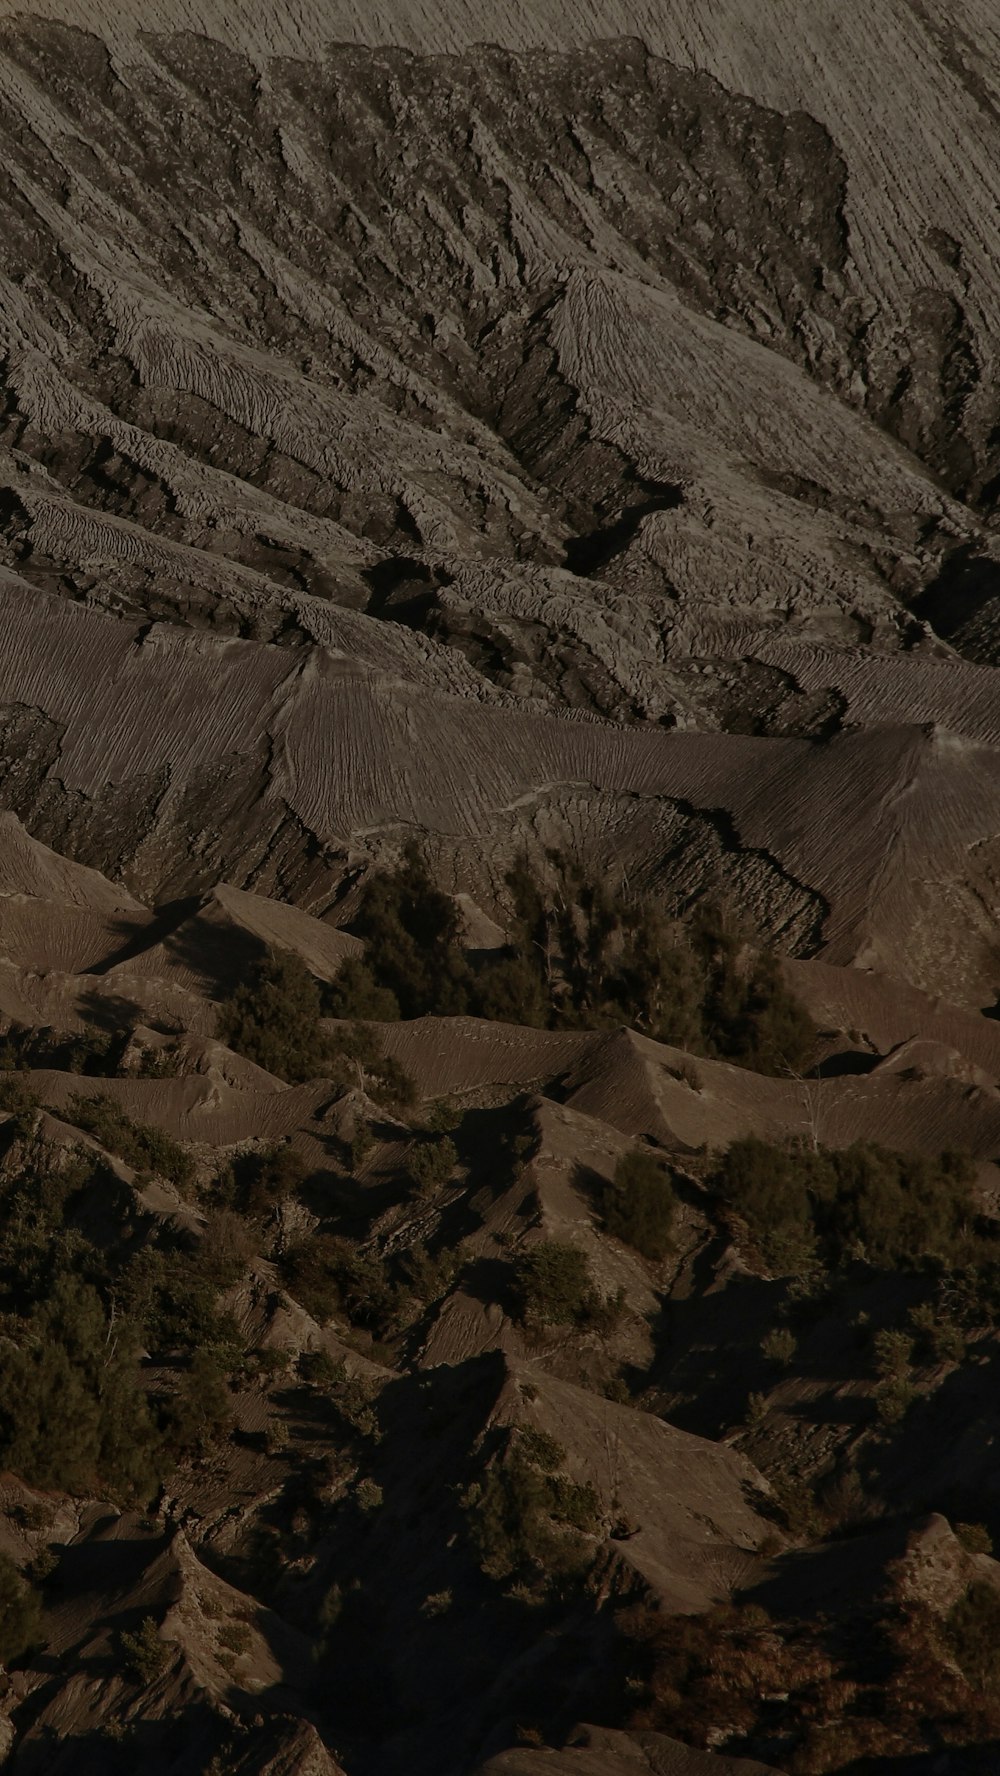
{"points": [[201, 1410], [779, 1346], [579, 955], [529, 1524], [72, 1410], [21, 1104], [167, 1294], [20, 1615], [368, 1495], [273, 1018], [328, 1276], [148, 1150], [144, 1654], [939, 1335], [362, 1142], [894, 1211], [414, 958], [442, 1117], [540, 1449], [264, 1180], [430, 1163], [893, 1398], [429, 1276], [91, 1052], [638, 1205], [356, 996], [974, 1537], [236, 1638], [769, 1187], [227, 1247], [319, 1369], [972, 1633], [351, 1396], [553, 1285], [893, 1353]]}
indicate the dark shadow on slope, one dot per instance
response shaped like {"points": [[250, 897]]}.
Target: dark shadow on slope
{"points": [[135, 942], [849, 1062], [966, 582], [403, 590], [589, 553]]}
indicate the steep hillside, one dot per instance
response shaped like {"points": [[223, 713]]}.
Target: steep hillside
{"points": [[499, 888]]}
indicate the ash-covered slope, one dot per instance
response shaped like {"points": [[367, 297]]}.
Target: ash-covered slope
{"points": [[463, 392], [566, 438], [904, 95], [319, 341]]}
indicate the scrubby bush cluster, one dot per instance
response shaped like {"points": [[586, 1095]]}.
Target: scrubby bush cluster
{"points": [[579, 955], [20, 1616], [93, 1052], [893, 1211], [638, 1203], [274, 1019], [148, 1150], [332, 1276], [528, 1522], [553, 1287], [78, 1307], [890, 1687]]}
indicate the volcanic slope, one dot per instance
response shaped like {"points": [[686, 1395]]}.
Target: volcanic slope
{"points": [[380, 387], [564, 438], [389, 1415]]}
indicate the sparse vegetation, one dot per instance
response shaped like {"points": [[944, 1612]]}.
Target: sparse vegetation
{"points": [[147, 1149], [579, 955], [144, 1654], [20, 1615], [974, 1537], [972, 1633], [779, 1346], [430, 1163], [639, 1203], [274, 1019], [530, 1524], [553, 1286], [806, 1206]]}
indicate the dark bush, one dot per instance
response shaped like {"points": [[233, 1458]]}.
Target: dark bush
{"points": [[972, 1632], [639, 1203], [430, 1163], [148, 1150], [328, 1276], [72, 1410], [261, 1182], [553, 1287], [144, 1654], [528, 1523], [579, 956], [20, 1615], [201, 1410], [274, 1020], [894, 1211], [413, 935]]}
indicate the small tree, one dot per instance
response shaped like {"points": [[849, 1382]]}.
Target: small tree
{"points": [[430, 1163], [20, 1617], [274, 1019], [639, 1204], [553, 1285], [144, 1654]]}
